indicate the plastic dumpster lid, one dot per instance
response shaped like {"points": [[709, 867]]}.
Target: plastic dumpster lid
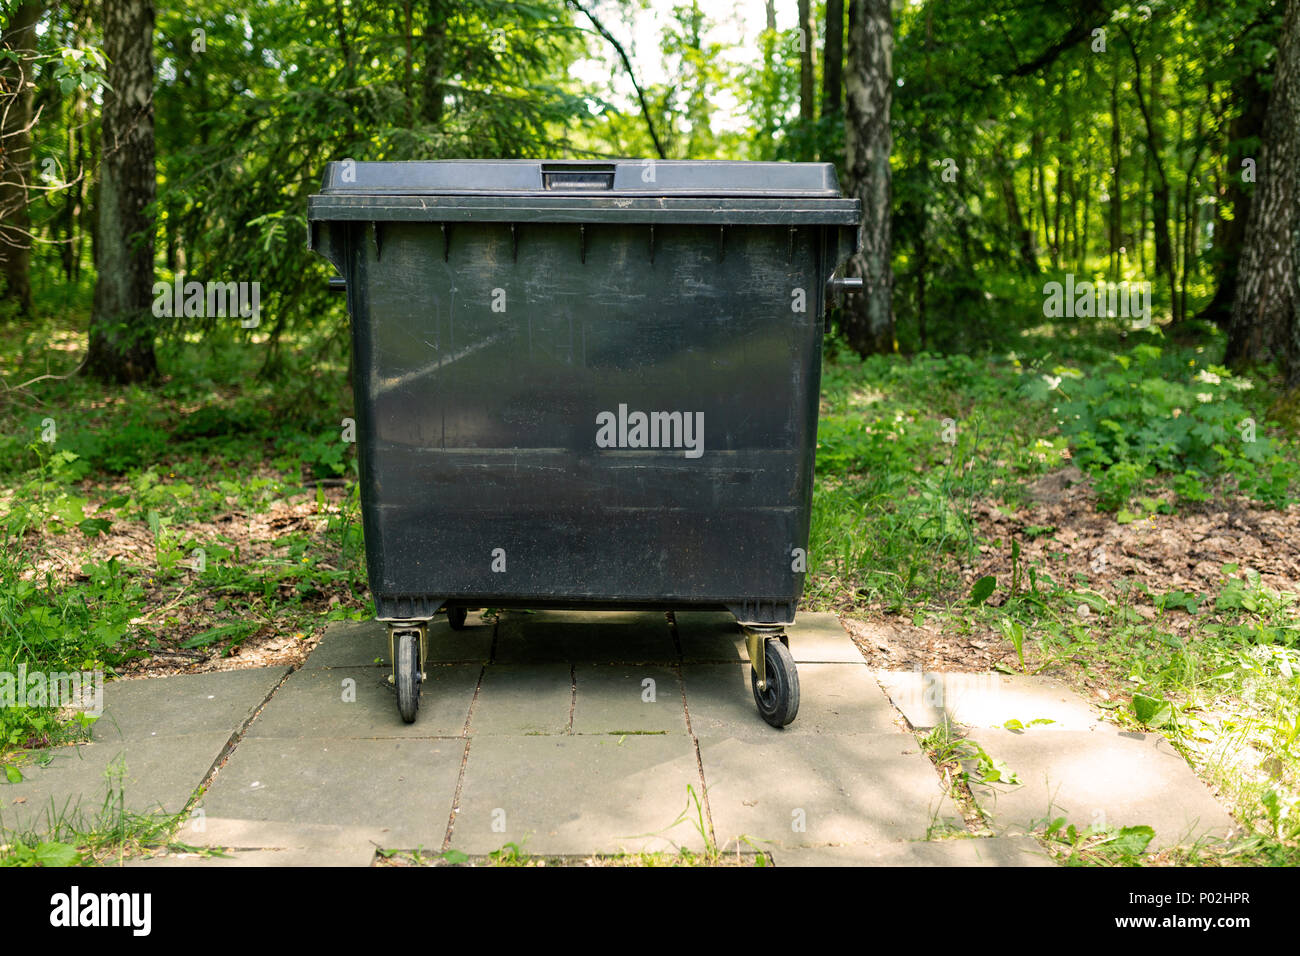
{"points": [[526, 177]]}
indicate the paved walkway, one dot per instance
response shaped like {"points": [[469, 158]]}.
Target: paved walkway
{"points": [[594, 733]]}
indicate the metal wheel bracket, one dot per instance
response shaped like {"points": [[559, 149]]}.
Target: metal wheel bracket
{"points": [[401, 627], [756, 638]]}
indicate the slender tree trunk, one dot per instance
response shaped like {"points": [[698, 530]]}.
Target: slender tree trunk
{"points": [[869, 316], [407, 17], [833, 60], [1230, 234], [349, 68], [925, 142], [1264, 324], [1058, 209], [73, 168], [1191, 219], [1141, 240], [922, 269], [121, 325], [1023, 232], [16, 89], [1081, 228], [768, 105], [92, 143], [1160, 190], [68, 214], [1035, 199], [435, 62], [807, 86], [1116, 180], [1037, 142], [1062, 176], [700, 141]]}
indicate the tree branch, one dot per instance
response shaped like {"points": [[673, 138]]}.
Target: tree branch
{"points": [[1079, 31], [627, 65]]}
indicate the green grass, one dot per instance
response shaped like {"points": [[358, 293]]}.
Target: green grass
{"points": [[74, 836]]}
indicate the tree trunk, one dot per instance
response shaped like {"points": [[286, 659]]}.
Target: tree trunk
{"points": [[1062, 174], [869, 316], [16, 88], [1116, 181], [1023, 232], [75, 165], [807, 86], [348, 74], [1141, 240], [922, 270], [435, 62], [767, 111], [1160, 190], [121, 325], [833, 60], [1037, 147], [1081, 227], [1264, 322], [1191, 218], [1230, 234]]}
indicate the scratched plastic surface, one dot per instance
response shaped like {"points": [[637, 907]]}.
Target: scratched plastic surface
{"points": [[488, 354]]}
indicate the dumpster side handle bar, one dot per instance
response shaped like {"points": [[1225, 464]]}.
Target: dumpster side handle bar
{"points": [[835, 290], [338, 284], [841, 284]]}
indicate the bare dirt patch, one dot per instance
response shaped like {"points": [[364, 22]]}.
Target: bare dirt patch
{"points": [[176, 610], [1061, 532], [1179, 552]]}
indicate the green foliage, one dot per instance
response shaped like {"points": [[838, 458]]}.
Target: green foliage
{"points": [[1142, 415], [944, 746], [1099, 846], [46, 853], [1152, 711], [80, 626], [983, 589]]}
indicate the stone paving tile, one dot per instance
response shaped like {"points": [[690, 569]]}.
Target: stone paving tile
{"points": [[157, 775], [365, 643], [199, 829], [992, 851], [597, 637], [834, 699], [398, 793], [359, 702], [183, 704], [615, 699], [715, 637], [793, 791], [820, 638], [986, 700], [1102, 778], [319, 780], [523, 699], [359, 855], [578, 795]]}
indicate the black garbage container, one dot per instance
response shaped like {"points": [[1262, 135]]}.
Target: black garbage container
{"points": [[587, 385]]}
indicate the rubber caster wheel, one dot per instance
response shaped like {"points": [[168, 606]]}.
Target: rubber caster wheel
{"points": [[456, 617], [406, 674], [778, 703]]}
